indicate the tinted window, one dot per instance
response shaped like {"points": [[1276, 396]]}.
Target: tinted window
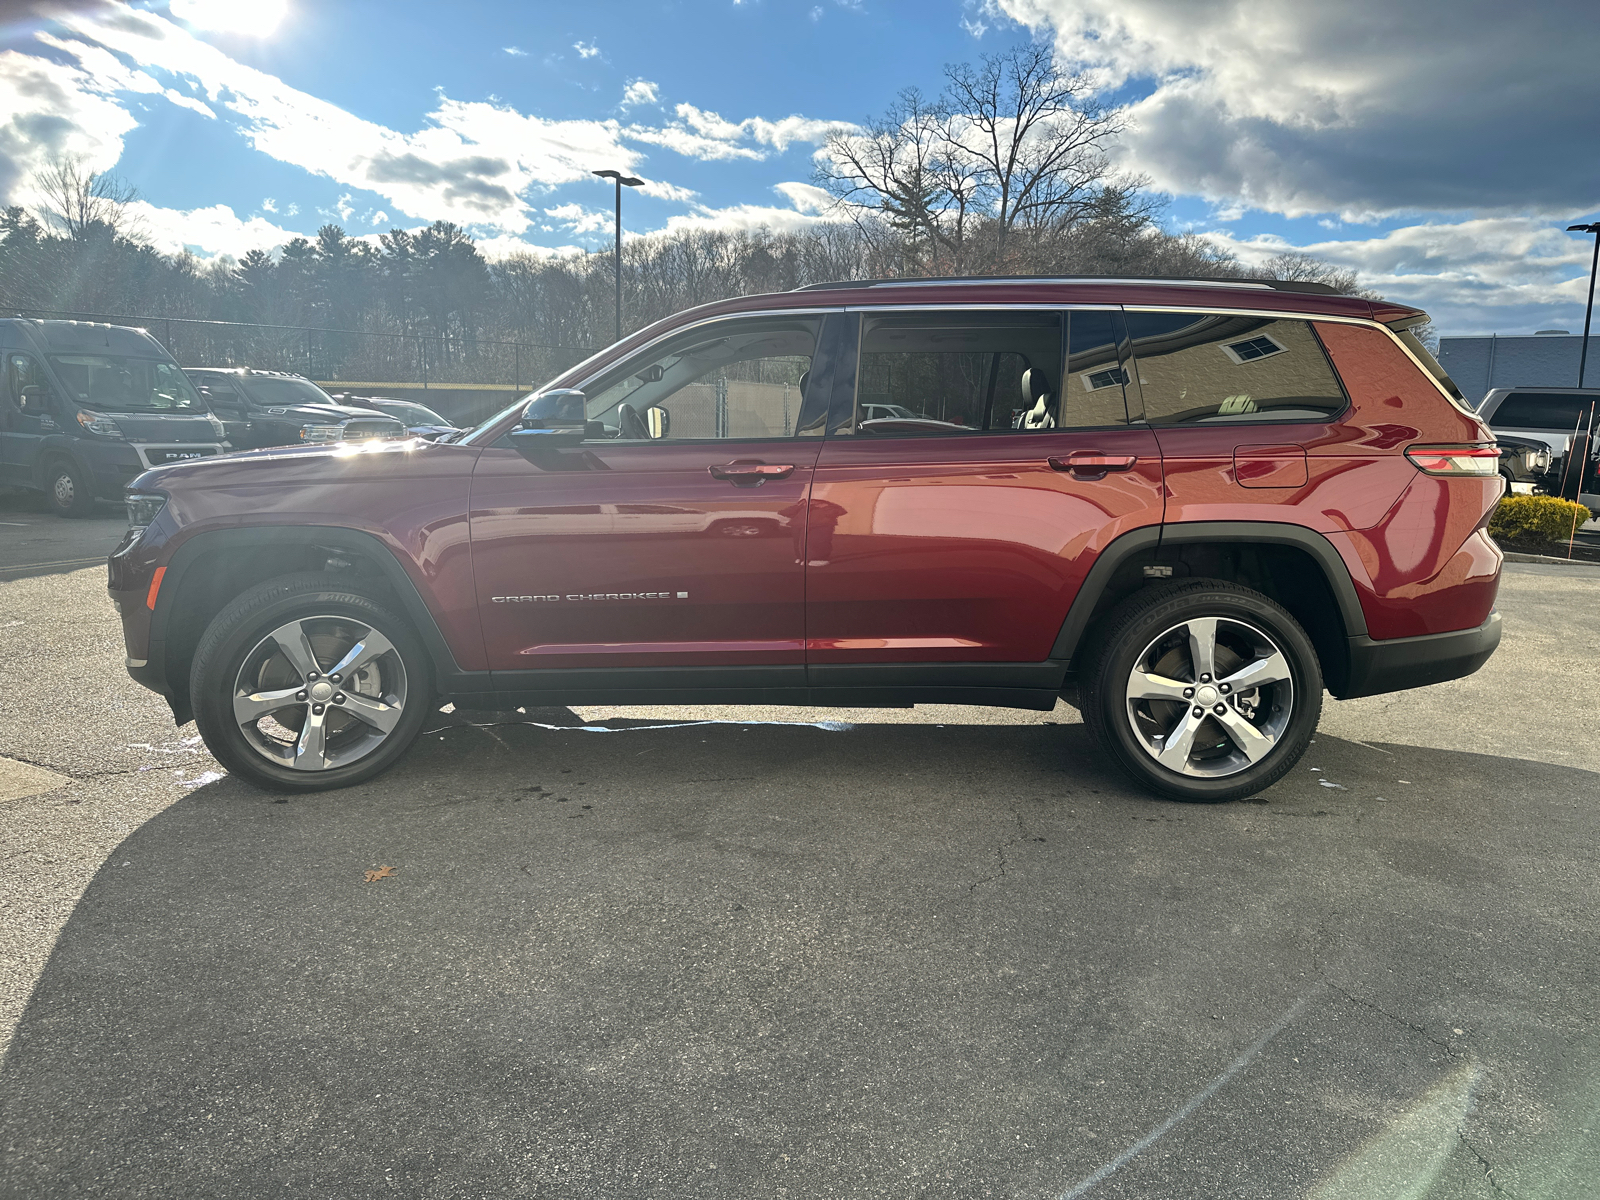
{"points": [[734, 379], [272, 392], [1213, 368], [1542, 410], [959, 372], [120, 383], [1093, 390]]}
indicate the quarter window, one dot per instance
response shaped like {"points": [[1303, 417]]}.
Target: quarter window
{"points": [[1219, 368], [1095, 377]]}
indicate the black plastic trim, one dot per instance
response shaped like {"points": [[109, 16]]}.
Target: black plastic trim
{"points": [[1396, 664], [448, 673], [1158, 538], [1043, 675], [572, 679]]}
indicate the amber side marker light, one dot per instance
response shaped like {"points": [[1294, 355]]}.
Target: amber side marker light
{"points": [[1455, 460], [155, 586]]}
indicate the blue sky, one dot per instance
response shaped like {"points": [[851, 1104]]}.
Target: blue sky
{"points": [[1438, 147]]}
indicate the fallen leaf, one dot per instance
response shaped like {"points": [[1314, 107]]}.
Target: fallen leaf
{"points": [[380, 873]]}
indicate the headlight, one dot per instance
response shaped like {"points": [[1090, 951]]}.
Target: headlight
{"points": [[99, 423], [320, 433], [144, 507]]}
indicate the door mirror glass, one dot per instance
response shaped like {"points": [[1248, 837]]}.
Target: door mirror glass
{"points": [[32, 398], [561, 408], [658, 420]]}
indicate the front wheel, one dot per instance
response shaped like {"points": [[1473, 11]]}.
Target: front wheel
{"points": [[303, 684], [1203, 690], [68, 490]]}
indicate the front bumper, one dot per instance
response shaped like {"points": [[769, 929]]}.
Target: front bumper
{"points": [[1395, 664]]}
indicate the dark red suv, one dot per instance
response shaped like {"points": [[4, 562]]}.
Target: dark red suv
{"points": [[1187, 506]]}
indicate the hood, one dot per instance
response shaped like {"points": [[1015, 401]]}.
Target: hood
{"points": [[325, 414], [284, 467]]}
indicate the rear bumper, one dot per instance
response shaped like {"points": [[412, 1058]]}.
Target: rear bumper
{"points": [[1395, 664]]}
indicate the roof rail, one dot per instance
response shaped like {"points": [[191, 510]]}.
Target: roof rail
{"points": [[1280, 285]]}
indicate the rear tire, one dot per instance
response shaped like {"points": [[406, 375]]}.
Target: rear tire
{"points": [[304, 684], [1202, 690], [68, 491]]}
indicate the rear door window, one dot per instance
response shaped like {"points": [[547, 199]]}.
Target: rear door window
{"points": [[1555, 411], [1225, 368], [959, 372]]}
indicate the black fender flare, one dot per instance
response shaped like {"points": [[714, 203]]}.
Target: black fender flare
{"points": [[448, 674], [1153, 539]]}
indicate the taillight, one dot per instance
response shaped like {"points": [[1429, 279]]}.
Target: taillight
{"points": [[1455, 460]]}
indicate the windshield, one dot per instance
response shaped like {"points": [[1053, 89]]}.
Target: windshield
{"points": [[268, 392], [119, 383], [411, 414]]}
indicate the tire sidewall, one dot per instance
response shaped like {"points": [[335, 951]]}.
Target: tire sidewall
{"points": [[1128, 641], [240, 627]]}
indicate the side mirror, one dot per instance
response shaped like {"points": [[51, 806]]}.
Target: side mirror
{"points": [[552, 419], [658, 420], [32, 396]]}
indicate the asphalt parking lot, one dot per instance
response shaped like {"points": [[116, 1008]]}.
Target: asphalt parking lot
{"points": [[941, 953]]}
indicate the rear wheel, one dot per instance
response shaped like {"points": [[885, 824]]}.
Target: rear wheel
{"points": [[1203, 690], [68, 491], [303, 684]]}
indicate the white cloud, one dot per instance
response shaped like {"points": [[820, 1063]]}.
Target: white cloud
{"points": [[50, 110], [586, 49], [515, 51], [207, 231], [1471, 275], [1362, 108], [269, 205], [640, 91], [379, 218], [805, 197], [581, 220], [469, 164], [667, 191]]}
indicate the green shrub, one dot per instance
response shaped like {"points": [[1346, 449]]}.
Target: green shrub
{"points": [[1535, 520]]}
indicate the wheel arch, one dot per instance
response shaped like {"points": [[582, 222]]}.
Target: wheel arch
{"points": [[1296, 566], [210, 569]]}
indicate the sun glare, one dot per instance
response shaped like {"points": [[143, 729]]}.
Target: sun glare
{"points": [[257, 18]]}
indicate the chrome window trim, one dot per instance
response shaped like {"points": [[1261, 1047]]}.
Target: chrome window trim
{"points": [[954, 306]]}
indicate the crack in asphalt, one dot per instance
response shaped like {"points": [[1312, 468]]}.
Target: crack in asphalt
{"points": [[1421, 1030], [1000, 851], [1488, 1168]]}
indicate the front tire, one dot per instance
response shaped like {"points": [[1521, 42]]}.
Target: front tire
{"points": [[68, 491], [1203, 690], [304, 684]]}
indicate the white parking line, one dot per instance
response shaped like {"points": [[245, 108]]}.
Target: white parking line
{"points": [[1239, 1064]]}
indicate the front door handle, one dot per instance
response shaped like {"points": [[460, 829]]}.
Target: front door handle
{"points": [[751, 474], [1085, 463]]}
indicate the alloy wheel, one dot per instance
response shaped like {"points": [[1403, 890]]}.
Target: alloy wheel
{"points": [[1210, 697], [319, 692]]}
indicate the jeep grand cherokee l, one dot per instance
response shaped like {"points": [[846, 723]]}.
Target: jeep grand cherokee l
{"points": [[1187, 506]]}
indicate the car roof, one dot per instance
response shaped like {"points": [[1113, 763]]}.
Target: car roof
{"points": [[88, 336], [249, 371]]}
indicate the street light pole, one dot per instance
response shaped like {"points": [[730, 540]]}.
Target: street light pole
{"points": [[622, 182], [1594, 262]]}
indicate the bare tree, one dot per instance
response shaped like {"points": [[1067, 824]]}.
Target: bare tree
{"points": [[1014, 144], [80, 203]]}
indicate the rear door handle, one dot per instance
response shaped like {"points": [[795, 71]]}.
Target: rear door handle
{"points": [[751, 474], [1086, 463]]}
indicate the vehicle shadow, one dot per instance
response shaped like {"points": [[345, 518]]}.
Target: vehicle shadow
{"points": [[763, 960]]}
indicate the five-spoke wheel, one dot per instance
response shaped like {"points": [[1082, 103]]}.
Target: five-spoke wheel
{"points": [[302, 684], [1203, 689], [320, 692]]}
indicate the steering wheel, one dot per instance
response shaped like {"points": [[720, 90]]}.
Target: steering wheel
{"points": [[630, 425]]}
